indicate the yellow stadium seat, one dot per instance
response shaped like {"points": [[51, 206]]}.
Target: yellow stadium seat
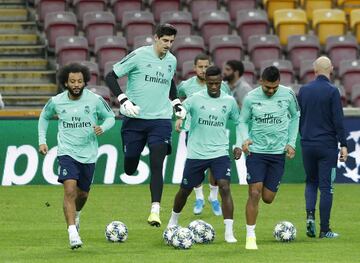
{"points": [[311, 5], [348, 5], [355, 23], [289, 22], [272, 5], [329, 22]]}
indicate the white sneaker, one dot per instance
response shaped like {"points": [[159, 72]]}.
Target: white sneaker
{"points": [[75, 241], [230, 238]]}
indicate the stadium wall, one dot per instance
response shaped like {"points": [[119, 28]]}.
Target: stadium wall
{"points": [[21, 164]]}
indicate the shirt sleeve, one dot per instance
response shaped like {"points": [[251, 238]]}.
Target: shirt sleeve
{"points": [[244, 120], [46, 114], [105, 112], [127, 64], [338, 117], [294, 111], [187, 104]]}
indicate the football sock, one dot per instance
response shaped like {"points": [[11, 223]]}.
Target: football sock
{"points": [[199, 192], [77, 214], [72, 230], [228, 226], [155, 208], [157, 155], [174, 218], [250, 230], [214, 189], [326, 199], [310, 214]]}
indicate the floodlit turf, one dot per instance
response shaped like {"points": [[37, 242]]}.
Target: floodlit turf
{"points": [[33, 229]]}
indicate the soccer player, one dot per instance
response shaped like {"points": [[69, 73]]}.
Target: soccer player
{"points": [[269, 122], [208, 146], [185, 90], [147, 108], [79, 112], [233, 72], [321, 129]]}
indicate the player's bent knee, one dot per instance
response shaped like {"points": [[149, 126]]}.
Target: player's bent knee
{"points": [[268, 200]]}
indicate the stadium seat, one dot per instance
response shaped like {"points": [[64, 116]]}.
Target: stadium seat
{"points": [[137, 23], [140, 41], [349, 73], [289, 22], [84, 6], [186, 48], [348, 5], [285, 67], [44, 7], [234, 5], [306, 73], [109, 48], [341, 48], [263, 47], [249, 72], [59, 24], [188, 70], [251, 22], [98, 23], [329, 22], [70, 49], [122, 81], [197, 6], [302, 47], [272, 5], [159, 6], [355, 96], [94, 71], [310, 5], [355, 23], [102, 91], [212, 23], [225, 47], [182, 20], [121, 6]]}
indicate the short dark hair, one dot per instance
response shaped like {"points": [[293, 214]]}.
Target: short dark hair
{"points": [[201, 56], [236, 65], [213, 71], [271, 74], [165, 30], [63, 74]]}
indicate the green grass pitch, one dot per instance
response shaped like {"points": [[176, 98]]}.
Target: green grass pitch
{"points": [[32, 231]]}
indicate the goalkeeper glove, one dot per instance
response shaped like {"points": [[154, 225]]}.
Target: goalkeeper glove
{"points": [[128, 108], [180, 111]]}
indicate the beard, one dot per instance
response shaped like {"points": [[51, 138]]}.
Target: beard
{"points": [[229, 78], [76, 95]]}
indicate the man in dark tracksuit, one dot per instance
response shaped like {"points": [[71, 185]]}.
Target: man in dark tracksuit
{"points": [[321, 128]]}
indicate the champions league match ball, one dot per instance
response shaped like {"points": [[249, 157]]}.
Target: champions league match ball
{"points": [[284, 231], [203, 232], [168, 234], [182, 238], [116, 231]]}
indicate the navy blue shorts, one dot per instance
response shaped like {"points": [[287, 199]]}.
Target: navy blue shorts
{"points": [[194, 170], [136, 133], [83, 173], [265, 168]]}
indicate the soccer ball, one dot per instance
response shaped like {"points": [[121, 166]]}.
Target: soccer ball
{"points": [[168, 234], [203, 232], [116, 231], [182, 238], [284, 231]]}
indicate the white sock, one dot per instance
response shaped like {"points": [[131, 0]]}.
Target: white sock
{"points": [[199, 192], [229, 235], [250, 230], [174, 219], [214, 189], [155, 207], [77, 214], [72, 230]]}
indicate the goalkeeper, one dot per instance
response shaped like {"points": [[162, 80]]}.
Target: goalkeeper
{"points": [[147, 108]]}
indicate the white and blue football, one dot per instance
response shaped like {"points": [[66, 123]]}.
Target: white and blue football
{"points": [[116, 231], [203, 232], [168, 234], [284, 231], [182, 238]]}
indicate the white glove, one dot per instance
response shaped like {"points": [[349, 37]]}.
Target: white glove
{"points": [[127, 108], [180, 111]]}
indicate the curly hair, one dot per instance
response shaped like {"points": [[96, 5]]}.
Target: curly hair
{"points": [[63, 74]]}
